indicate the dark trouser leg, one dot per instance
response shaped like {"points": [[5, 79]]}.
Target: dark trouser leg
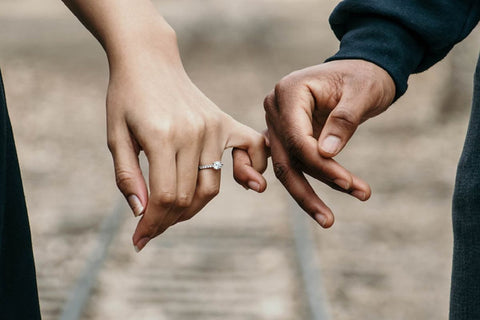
{"points": [[465, 291], [18, 289]]}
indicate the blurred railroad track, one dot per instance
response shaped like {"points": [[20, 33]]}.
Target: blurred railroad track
{"points": [[199, 271]]}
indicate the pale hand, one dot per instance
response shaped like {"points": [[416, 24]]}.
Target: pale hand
{"points": [[153, 106]]}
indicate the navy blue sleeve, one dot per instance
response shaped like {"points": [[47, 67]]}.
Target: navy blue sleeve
{"points": [[402, 36]]}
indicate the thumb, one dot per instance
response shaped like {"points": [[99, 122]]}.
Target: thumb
{"points": [[128, 174], [340, 126]]}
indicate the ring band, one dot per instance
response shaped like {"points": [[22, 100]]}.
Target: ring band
{"points": [[217, 165]]}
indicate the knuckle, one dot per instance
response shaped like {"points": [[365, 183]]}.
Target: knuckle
{"points": [[287, 83], [331, 88], [123, 178], [256, 140], [269, 103], [283, 86], [162, 131], [164, 198], [336, 83], [214, 124], [346, 118], [281, 171], [194, 127], [184, 200], [201, 127], [152, 228], [210, 192]]}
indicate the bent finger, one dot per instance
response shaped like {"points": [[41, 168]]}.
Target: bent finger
{"points": [[128, 174], [298, 186], [245, 174], [245, 138], [163, 190], [187, 170], [208, 186], [359, 188], [294, 131]]}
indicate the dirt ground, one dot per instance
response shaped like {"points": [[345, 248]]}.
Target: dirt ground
{"points": [[388, 258]]}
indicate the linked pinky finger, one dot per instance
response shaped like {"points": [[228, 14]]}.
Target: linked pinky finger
{"points": [[245, 174]]}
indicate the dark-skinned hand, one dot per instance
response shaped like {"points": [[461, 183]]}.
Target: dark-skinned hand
{"points": [[311, 115]]}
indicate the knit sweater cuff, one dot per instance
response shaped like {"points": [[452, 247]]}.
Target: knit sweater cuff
{"points": [[382, 42]]}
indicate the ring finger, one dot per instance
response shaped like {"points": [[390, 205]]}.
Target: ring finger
{"points": [[208, 184]]}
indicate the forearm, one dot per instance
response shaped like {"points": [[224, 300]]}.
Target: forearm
{"points": [[127, 29]]}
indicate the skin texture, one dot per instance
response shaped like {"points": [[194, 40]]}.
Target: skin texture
{"points": [[310, 106], [152, 105]]}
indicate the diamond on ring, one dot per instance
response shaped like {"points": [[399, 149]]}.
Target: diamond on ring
{"points": [[217, 165]]}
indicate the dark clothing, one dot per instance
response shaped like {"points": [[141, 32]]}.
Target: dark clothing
{"points": [[465, 292], [402, 36], [18, 289], [409, 36]]}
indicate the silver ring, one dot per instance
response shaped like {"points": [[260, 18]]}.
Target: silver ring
{"points": [[217, 165]]}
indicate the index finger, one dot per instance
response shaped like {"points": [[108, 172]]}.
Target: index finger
{"points": [[294, 126], [297, 185]]}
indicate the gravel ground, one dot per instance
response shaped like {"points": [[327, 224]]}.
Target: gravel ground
{"points": [[388, 258]]}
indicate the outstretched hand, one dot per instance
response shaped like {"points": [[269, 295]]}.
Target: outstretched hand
{"points": [[311, 115]]}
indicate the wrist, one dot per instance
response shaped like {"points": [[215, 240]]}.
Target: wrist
{"points": [[142, 41], [383, 42]]}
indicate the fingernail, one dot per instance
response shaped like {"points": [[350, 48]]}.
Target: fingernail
{"points": [[135, 204], [342, 183], [331, 144], [141, 244], [321, 219], [254, 185], [360, 195]]}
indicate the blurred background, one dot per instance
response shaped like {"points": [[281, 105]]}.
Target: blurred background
{"points": [[388, 258]]}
